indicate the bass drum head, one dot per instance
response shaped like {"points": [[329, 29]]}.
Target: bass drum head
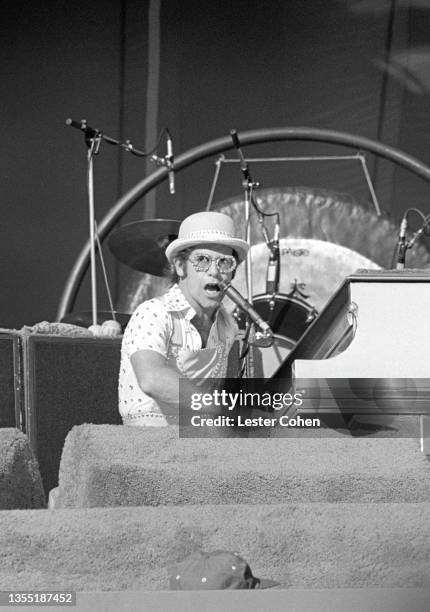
{"points": [[310, 269], [287, 317]]}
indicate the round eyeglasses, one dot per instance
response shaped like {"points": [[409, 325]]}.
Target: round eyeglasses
{"points": [[224, 263]]}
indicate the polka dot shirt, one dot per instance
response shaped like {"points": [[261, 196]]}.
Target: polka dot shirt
{"points": [[164, 325]]}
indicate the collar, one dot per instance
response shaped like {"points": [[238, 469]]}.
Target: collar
{"points": [[176, 301]]}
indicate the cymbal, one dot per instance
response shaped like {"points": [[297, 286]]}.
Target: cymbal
{"points": [[141, 244]]}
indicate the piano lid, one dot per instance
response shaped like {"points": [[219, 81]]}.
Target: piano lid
{"points": [[391, 276], [385, 306]]}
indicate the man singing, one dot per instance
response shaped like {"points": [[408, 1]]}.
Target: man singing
{"points": [[186, 333]]}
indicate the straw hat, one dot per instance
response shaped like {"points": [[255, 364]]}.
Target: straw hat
{"points": [[207, 228]]}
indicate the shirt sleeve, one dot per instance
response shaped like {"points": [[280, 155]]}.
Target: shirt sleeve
{"points": [[148, 329]]}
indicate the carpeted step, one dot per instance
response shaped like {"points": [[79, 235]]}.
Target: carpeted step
{"points": [[312, 546], [20, 481], [107, 465]]}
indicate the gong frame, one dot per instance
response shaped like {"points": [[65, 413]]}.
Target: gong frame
{"points": [[208, 149]]}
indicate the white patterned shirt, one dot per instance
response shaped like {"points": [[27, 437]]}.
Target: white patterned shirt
{"points": [[164, 325]]}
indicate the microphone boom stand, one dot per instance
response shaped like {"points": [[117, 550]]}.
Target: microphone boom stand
{"points": [[249, 185], [93, 138], [93, 149]]}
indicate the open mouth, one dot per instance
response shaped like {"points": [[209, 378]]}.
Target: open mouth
{"points": [[212, 289]]}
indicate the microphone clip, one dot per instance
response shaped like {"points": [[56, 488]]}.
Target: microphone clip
{"points": [[263, 339], [163, 162]]}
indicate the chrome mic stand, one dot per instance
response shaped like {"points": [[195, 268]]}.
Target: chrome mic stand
{"points": [[93, 150], [92, 140], [262, 338]]}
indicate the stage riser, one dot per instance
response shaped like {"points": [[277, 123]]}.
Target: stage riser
{"points": [[299, 545], [106, 465], [20, 482]]}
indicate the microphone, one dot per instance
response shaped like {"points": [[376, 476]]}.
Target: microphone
{"points": [[401, 245], [240, 301], [424, 229], [273, 269], [415, 237], [89, 131], [170, 162], [243, 164], [92, 135]]}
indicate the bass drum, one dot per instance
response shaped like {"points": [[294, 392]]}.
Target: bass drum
{"points": [[288, 319]]}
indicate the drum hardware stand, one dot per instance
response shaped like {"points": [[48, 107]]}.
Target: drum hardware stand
{"points": [[359, 156], [273, 269], [297, 289], [218, 163], [311, 316], [93, 138], [105, 277]]}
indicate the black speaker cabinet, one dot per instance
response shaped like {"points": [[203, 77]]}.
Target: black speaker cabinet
{"points": [[11, 388], [68, 381]]}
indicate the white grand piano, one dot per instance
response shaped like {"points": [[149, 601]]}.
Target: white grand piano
{"points": [[368, 352]]}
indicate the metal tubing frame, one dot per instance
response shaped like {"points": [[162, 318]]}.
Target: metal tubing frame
{"points": [[214, 147]]}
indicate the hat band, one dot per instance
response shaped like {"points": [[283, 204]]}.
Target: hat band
{"points": [[207, 234]]}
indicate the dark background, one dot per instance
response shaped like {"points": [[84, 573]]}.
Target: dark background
{"points": [[131, 67]]}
